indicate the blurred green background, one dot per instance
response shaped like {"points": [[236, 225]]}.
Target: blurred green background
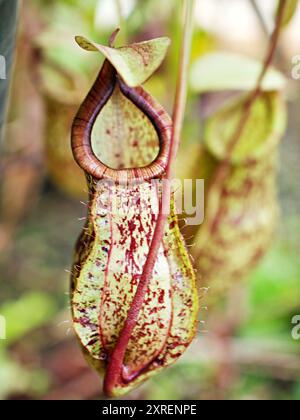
{"points": [[245, 349]]}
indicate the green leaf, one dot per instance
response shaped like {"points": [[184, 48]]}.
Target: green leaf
{"points": [[290, 11], [261, 134], [225, 71], [135, 63], [30, 311], [17, 379]]}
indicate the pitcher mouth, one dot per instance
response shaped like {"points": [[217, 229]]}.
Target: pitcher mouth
{"points": [[84, 121]]}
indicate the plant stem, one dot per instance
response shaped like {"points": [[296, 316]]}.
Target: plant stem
{"points": [[260, 17], [114, 369], [182, 84], [122, 21], [119, 11]]}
